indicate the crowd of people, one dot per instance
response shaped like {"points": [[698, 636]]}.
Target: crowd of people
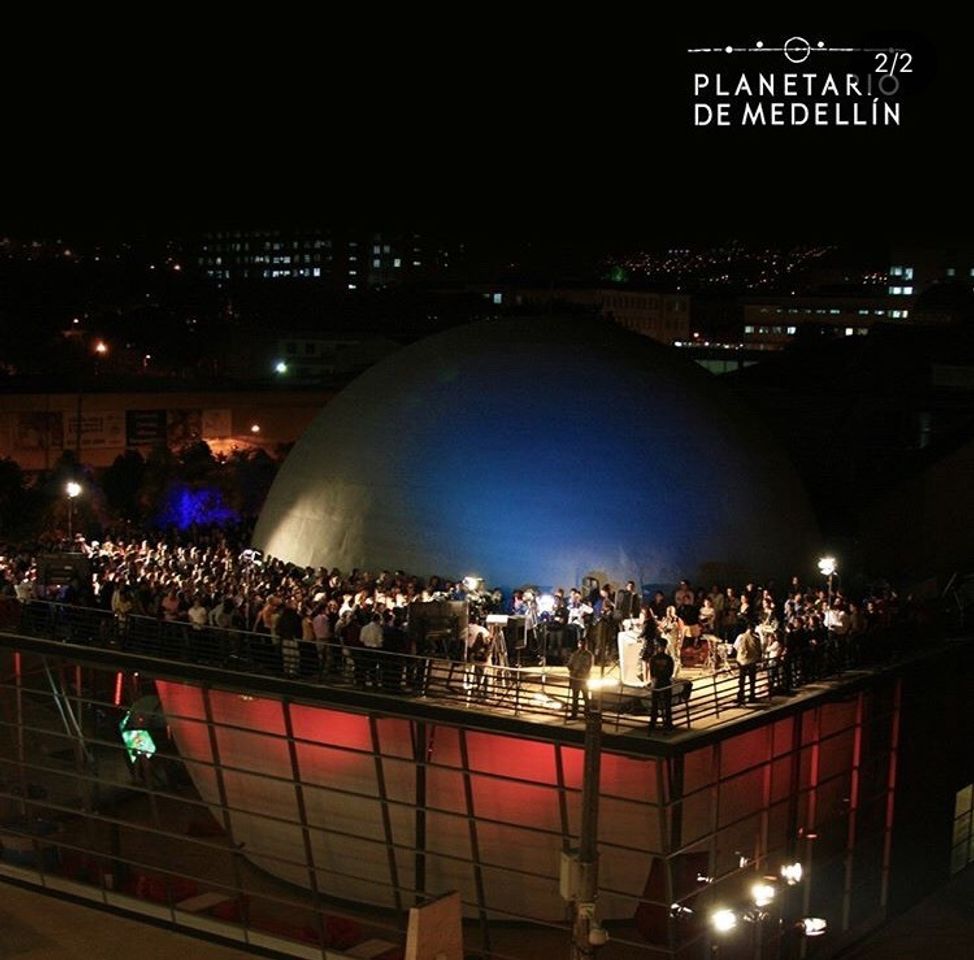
{"points": [[329, 618]]}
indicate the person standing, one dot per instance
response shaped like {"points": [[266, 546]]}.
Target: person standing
{"points": [[579, 670], [661, 685], [288, 628], [747, 648], [371, 637]]}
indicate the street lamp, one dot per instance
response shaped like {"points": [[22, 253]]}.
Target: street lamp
{"points": [[280, 367], [72, 489], [827, 567]]}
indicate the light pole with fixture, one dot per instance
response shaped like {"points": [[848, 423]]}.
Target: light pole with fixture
{"points": [[73, 489], [827, 567]]}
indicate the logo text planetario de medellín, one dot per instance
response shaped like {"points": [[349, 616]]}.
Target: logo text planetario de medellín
{"points": [[792, 97]]}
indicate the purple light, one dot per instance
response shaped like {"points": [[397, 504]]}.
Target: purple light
{"points": [[183, 506]]}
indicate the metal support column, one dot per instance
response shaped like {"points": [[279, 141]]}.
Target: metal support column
{"points": [[309, 854], [478, 876], [380, 781]]}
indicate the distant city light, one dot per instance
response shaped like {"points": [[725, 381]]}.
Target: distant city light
{"points": [[280, 367], [101, 348]]}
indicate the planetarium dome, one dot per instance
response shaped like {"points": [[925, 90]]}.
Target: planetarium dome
{"points": [[539, 451]]}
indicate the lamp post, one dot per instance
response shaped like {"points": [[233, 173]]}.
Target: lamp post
{"points": [[580, 877], [72, 489], [827, 567]]}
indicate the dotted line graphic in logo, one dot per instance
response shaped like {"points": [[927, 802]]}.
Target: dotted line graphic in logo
{"points": [[796, 49]]}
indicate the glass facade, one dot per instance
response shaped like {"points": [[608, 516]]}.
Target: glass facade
{"points": [[291, 823]]}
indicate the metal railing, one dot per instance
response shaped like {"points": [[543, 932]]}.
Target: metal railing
{"points": [[533, 693]]}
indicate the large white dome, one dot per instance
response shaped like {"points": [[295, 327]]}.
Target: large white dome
{"points": [[539, 451]]}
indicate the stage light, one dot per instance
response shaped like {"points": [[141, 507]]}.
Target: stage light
{"points": [[546, 603], [723, 921], [791, 873], [600, 683], [472, 583]]}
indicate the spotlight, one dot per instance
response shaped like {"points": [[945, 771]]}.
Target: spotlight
{"points": [[723, 921], [791, 873], [762, 893], [546, 603], [812, 926]]}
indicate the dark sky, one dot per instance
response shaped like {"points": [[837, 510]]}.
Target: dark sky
{"points": [[577, 130]]}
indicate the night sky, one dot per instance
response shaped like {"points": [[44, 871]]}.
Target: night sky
{"points": [[577, 131]]}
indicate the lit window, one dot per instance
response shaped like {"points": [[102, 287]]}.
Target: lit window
{"points": [[415, 263], [376, 248], [849, 331], [834, 312], [397, 263], [792, 331], [385, 248], [352, 286], [952, 272], [895, 291], [749, 329], [316, 272], [376, 263], [862, 331], [896, 271], [908, 291], [353, 273], [498, 298], [908, 273], [863, 313]]}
